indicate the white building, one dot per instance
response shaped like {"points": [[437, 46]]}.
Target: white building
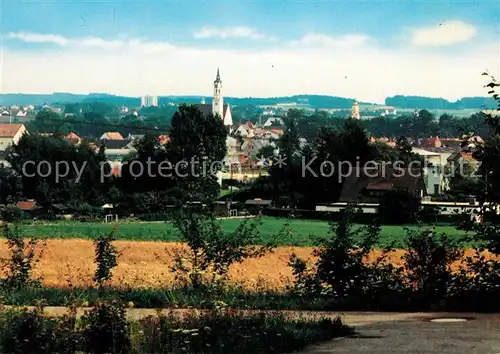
{"points": [[434, 170], [149, 101]]}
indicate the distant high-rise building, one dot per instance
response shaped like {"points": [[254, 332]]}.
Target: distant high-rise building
{"points": [[149, 101], [355, 110]]}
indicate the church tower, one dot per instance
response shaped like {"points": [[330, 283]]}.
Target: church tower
{"points": [[218, 101], [355, 110]]}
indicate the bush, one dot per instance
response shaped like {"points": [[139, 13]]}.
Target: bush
{"points": [[105, 329], [398, 207], [211, 251], [11, 213], [23, 257], [428, 264], [105, 258], [232, 331], [341, 272]]}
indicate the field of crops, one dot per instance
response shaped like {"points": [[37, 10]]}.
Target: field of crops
{"points": [[302, 230], [146, 264]]}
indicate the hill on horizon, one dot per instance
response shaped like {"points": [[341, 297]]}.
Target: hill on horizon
{"points": [[312, 101]]}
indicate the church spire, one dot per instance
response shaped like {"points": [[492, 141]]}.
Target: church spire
{"points": [[217, 78]]}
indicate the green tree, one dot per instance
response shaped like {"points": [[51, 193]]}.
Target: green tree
{"points": [[198, 147], [488, 154]]}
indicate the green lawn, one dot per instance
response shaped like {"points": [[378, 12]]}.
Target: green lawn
{"points": [[303, 230]]}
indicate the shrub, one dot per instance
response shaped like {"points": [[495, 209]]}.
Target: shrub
{"points": [[22, 259], [30, 331], [11, 213], [228, 330], [105, 329], [211, 250], [398, 207], [428, 263], [341, 272], [105, 258]]}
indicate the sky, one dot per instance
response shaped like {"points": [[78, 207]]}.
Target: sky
{"points": [[367, 50]]}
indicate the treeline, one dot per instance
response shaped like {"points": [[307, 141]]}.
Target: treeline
{"points": [[419, 102], [421, 125], [152, 178]]}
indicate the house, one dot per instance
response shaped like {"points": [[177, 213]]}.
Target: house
{"points": [[10, 134], [369, 185], [254, 206], [30, 208], [117, 150], [233, 150], [433, 141], [251, 147], [111, 136], [434, 169], [274, 122], [135, 136], [73, 138], [245, 130]]}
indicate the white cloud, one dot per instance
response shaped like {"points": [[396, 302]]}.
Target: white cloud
{"points": [[127, 67], [443, 34], [346, 41], [39, 38], [229, 32]]}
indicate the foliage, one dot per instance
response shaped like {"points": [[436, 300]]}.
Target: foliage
{"points": [[11, 213], [210, 249], [23, 257], [341, 270], [54, 171], [488, 154], [398, 207], [105, 258], [428, 263], [228, 330], [199, 141], [105, 329]]}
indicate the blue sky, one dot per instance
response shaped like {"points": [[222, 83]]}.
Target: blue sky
{"points": [[361, 49]]}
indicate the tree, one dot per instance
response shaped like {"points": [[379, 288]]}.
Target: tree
{"points": [[398, 207], [55, 171], [198, 148], [488, 154]]}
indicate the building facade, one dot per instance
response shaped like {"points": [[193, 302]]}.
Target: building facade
{"points": [[149, 101]]}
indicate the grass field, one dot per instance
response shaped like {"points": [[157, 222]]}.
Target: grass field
{"points": [[303, 231]]}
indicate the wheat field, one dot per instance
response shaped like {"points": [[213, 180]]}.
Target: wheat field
{"points": [[147, 264]]}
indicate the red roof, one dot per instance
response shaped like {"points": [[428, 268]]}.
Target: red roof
{"points": [[9, 130], [379, 186], [26, 205], [164, 139], [434, 141], [72, 136], [466, 155], [114, 136]]}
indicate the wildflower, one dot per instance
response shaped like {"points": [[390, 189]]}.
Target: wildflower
{"points": [[130, 304]]}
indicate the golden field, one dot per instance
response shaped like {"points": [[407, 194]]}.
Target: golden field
{"points": [[147, 264]]}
